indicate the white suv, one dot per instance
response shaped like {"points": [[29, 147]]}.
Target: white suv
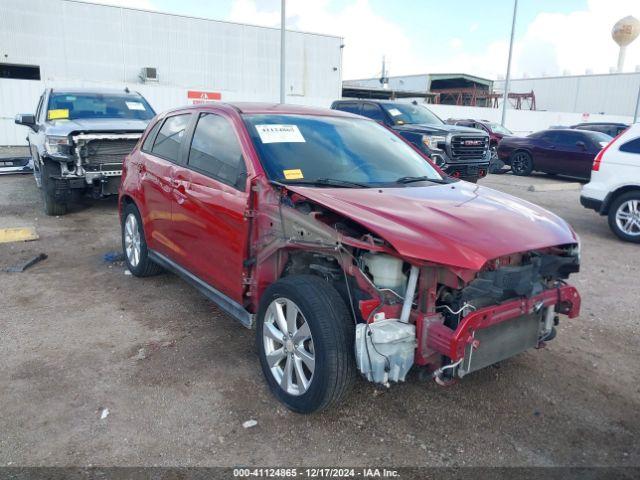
{"points": [[614, 189]]}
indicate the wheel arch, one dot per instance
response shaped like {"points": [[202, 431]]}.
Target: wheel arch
{"points": [[613, 195]]}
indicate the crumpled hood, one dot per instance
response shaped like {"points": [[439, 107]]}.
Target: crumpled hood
{"points": [[458, 224], [91, 125]]}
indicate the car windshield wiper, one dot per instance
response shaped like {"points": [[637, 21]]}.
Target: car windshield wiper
{"points": [[421, 179], [330, 182]]}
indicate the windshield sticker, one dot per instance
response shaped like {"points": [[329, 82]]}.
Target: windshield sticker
{"points": [[135, 106], [395, 112], [294, 174], [280, 134], [58, 114]]}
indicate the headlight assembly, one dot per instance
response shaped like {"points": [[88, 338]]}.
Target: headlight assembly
{"points": [[434, 142], [57, 145]]}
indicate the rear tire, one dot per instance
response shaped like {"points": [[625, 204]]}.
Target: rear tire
{"points": [[317, 308], [521, 164], [624, 217], [134, 244], [52, 206]]}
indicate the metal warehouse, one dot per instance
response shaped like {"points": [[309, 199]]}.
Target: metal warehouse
{"points": [[72, 43], [613, 93]]}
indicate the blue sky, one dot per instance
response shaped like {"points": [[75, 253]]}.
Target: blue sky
{"points": [[416, 36]]}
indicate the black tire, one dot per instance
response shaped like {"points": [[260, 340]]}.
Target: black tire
{"points": [[52, 206], [621, 203], [521, 163], [332, 329], [145, 266]]}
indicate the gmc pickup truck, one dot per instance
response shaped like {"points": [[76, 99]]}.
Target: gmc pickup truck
{"points": [[460, 152]]}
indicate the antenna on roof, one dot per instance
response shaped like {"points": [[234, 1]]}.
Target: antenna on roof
{"points": [[126, 90]]}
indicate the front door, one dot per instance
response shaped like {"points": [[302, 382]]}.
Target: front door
{"points": [[211, 200]]}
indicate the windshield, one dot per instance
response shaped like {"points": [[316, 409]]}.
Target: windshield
{"points": [[314, 149], [74, 106], [407, 113], [497, 128]]}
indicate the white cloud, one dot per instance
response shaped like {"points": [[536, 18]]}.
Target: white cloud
{"points": [[576, 41], [367, 35], [455, 43], [474, 26]]}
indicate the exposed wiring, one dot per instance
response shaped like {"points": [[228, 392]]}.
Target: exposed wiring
{"points": [[456, 312]]}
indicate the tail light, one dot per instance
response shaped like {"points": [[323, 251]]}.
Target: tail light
{"points": [[598, 160]]}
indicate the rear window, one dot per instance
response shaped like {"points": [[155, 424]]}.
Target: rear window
{"points": [[74, 106], [632, 146]]}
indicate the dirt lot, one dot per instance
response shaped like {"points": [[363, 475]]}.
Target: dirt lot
{"points": [[179, 378]]}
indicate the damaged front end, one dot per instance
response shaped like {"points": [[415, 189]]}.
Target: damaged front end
{"points": [[410, 311], [93, 161]]}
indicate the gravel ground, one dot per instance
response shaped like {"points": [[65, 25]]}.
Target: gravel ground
{"points": [[78, 336]]}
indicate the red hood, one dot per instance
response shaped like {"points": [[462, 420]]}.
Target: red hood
{"points": [[459, 224]]}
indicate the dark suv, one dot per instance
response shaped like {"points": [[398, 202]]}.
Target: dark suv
{"points": [[460, 152], [78, 140]]}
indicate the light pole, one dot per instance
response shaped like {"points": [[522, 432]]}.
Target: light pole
{"points": [[282, 45], [505, 99], [637, 110]]}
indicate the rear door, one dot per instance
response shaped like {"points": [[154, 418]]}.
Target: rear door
{"points": [[160, 155], [211, 199]]}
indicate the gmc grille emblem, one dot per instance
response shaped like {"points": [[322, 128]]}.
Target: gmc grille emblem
{"points": [[471, 143]]}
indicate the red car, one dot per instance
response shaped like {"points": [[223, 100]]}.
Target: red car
{"points": [[343, 246]]}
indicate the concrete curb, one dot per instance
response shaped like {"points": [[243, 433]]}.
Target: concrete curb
{"points": [[555, 187]]}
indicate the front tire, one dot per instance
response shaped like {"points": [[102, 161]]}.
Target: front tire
{"points": [[521, 164], [134, 244], [624, 217], [305, 341], [52, 207]]}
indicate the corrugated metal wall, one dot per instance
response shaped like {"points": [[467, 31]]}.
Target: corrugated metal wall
{"points": [[80, 44], [613, 94]]}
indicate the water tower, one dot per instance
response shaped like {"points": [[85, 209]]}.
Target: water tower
{"points": [[625, 31]]}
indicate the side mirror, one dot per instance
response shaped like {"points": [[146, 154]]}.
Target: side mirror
{"points": [[580, 144], [26, 119]]}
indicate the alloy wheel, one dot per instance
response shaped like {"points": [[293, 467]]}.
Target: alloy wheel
{"points": [[288, 346], [628, 217], [132, 240], [519, 163]]}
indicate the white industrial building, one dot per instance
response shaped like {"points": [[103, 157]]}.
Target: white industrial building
{"points": [[73, 43], [610, 94]]}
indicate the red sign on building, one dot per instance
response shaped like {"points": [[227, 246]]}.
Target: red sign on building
{"points": [[197, 97]]}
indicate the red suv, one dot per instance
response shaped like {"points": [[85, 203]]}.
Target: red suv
{"points": [[343, 246]]}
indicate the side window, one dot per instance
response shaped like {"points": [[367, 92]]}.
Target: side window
{"points": [[632, 146], [215, 151], [550, 136], [351, 107], [567, 139], [167, 144], [148, 142], [374, 112]]}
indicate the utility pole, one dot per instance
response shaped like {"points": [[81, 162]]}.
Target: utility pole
{"points": [[637, 110], [282, 46], [505, 99]]}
